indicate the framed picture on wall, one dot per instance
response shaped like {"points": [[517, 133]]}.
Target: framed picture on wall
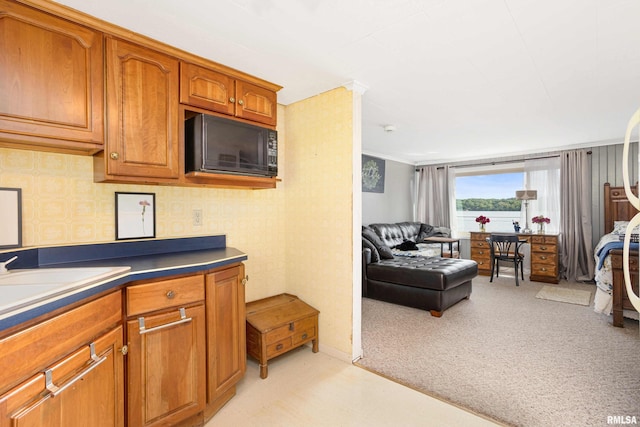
{"points": [[372, 174], [135, 215], [10, 218]]}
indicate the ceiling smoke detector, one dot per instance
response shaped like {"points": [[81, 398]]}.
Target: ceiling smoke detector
{"points": [[389, 128]]}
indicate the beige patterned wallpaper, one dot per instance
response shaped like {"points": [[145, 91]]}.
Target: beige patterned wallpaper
{"points": [[319, 210]]}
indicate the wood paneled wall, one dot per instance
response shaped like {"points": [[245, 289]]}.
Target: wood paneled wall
{"points": [[606, 166]]}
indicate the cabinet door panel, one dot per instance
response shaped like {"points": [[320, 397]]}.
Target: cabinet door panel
{"points": [[142, 114], [256, 103], [89, 393], [166, 368], [226, 330], [205, 88], [51, 84]]}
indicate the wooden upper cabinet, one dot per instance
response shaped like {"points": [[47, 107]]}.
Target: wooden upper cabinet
{"points": [[256, 103], [205, 88], [142, 113], [51, 82]]}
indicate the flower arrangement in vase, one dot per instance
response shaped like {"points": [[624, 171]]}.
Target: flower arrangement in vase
{"points": [[541, 221], [482, 220]]}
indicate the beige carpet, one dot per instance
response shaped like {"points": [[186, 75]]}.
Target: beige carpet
{"points": [[511, 356], [560, 294]]}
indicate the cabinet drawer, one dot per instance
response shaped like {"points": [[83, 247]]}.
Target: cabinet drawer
{"points": [[544, 258], [544, 239], [164, 294], [544, 247], [550, 270], [479, 244], [279, 347], [480, 253], [305, 330], [55, 337]]}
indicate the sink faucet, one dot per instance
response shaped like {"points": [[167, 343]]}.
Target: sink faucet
{"points": [[3, 265]]}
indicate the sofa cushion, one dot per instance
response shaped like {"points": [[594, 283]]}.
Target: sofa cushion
{"points": [[430, 273], [383, 249]]}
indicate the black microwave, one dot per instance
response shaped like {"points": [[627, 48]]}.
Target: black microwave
{"points": [[221, 145]]}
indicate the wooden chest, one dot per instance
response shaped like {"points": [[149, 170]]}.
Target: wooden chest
{"points": [[279, 324]]}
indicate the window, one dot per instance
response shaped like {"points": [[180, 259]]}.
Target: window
{"points": [[488, 191]]}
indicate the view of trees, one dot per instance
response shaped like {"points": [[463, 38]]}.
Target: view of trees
{"points": [[511, 204]]}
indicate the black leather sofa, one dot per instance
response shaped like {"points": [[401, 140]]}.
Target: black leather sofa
{"points": [[428, 283]]}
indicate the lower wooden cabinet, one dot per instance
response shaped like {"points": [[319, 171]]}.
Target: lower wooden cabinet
{"points": [[226, 348], [166, 361], [84, 387]]}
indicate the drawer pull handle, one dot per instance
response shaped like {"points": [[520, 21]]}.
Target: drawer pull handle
{"points": [[543, 269], [95, 362], [304, 336], [183, 319], [279, 346], [543, 257], [291, 326], [543, 248], [171, 294]]}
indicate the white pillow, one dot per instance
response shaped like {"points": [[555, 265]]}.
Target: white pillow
{"points": [[620, 228]]}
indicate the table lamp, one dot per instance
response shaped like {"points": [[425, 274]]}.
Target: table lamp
{"points": [[525, 196]]}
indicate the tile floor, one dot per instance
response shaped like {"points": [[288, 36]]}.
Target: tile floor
{"points": [[307, 389]]}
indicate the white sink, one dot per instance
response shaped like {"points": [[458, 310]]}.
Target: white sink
{"points": [[24, 288]]}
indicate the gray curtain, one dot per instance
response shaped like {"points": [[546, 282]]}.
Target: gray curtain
{"points": [[433, 196], [575, 208]]}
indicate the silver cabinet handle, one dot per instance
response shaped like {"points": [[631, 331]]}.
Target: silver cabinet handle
{"points": [[55, 390], [183, 319]]}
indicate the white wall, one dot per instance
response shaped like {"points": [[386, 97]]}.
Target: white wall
{"points": [[395, 204]]}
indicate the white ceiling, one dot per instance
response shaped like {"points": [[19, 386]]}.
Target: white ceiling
{"points": [[459, 79]]}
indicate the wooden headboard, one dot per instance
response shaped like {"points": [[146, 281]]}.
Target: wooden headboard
{"points": [[616, 206]]}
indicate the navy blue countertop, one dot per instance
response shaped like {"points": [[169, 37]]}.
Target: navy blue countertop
{"points": [[147, 259]]}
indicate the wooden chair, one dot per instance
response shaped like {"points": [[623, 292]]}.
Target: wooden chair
{"points": [[504, 247]]}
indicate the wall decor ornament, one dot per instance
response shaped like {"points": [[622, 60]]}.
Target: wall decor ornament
{"points": [[10, 218], [135, 215], [372, 174]]}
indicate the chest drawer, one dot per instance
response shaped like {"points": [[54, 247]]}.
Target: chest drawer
{"points": [[543, 258], [164, 294]]}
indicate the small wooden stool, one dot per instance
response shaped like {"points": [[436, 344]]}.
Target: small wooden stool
{"points": [[278, 324]]}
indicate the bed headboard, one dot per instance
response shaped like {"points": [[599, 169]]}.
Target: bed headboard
{"points": [[616, 206]]}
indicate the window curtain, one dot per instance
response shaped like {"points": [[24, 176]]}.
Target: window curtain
{"points": [[433, 196], [575, 227], [543, 175]]}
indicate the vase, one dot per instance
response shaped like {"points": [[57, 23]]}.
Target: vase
{"points": [[541, 228], [482, 228]]}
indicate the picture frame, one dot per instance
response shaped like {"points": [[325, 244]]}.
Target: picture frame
{"points": [[373, 172], [10, 218], [135, 215]]}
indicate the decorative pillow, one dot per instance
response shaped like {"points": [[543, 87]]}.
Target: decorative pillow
{"points": [[375, 255], [383, 250], [620, 228]]}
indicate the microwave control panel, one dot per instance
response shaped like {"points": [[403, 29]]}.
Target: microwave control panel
{"points": [[272, 151]]}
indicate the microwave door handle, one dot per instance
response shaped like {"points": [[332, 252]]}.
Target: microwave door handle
{"points": [[203, 141], [633, 122]]}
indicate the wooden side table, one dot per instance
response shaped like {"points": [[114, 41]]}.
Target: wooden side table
{"points": [[442, 241], [278, 324]]}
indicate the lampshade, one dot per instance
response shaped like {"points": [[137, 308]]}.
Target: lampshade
{"points": [[527, 194]]}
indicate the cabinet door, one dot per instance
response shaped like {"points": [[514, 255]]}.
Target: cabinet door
{"points": [[142, 112], [51, 83], [226, 359], [86, 389], [166, 367], [207, 89], [256, 103]]}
